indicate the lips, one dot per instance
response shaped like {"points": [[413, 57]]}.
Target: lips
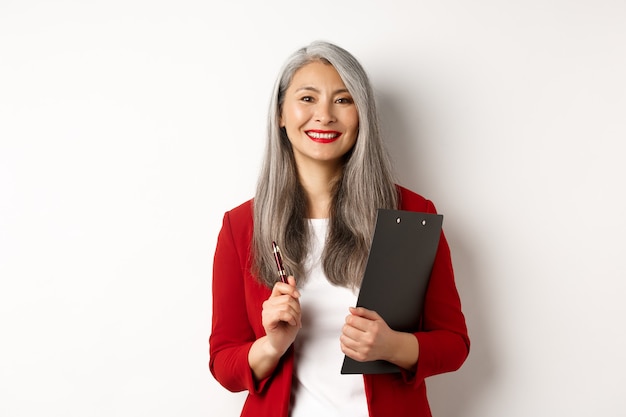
{"points": [[323, 136]]}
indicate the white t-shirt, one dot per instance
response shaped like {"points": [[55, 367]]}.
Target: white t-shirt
{"points": [[319, 388]]}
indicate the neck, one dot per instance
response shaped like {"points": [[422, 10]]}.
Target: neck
{"points": [[318, 185]]}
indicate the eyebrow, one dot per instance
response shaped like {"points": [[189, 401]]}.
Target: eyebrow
{"points": [[315, 90]]}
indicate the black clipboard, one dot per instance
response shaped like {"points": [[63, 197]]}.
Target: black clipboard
{"points": [[396, 276]]}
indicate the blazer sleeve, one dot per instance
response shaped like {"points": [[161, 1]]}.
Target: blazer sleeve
{"points": [[443, 340], [232, 333]]}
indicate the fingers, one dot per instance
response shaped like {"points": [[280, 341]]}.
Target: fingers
{"points": [[286, 288], [356, 344], [283, 305], [291, 280], [352, 336], [362, 318], [365, 313], [363, 334], [359, 330], [281, 310]]}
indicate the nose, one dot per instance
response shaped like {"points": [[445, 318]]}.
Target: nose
{"points": [[324, 112]]}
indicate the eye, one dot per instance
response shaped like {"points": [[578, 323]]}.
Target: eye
{"points": [[344, 100], [307, 99]]}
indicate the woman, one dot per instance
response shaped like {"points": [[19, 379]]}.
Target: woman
{"points": [[324, 175]]}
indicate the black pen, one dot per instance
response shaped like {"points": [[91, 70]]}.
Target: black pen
{"points": [[279, 263]]}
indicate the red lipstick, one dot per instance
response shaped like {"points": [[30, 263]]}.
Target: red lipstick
{"points": [[323, 136]]}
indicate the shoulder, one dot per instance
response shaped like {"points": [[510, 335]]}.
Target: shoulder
{"points": [[241, 213], [239, 221], [411, 201]]}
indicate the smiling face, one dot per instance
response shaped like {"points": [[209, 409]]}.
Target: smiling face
{"points": [[319, 116]]}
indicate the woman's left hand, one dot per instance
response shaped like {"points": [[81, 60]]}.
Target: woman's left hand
{"points": [[366, 337]]}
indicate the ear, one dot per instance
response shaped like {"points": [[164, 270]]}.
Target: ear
{"points": [[281, 123]]}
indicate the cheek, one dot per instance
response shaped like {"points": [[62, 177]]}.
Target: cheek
{"points": [[354, 121], [299, 113], [293, 117]]}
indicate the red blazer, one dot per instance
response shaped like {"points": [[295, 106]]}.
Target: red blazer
{"points": [[237, 306]]}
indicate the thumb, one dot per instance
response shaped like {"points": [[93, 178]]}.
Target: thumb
{"points": [[365, 313]]}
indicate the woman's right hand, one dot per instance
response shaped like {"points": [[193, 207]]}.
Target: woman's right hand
{"points": [[281, 319], [281, 316]]}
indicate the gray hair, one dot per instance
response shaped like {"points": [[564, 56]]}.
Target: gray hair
{"points": [[366, 183]]}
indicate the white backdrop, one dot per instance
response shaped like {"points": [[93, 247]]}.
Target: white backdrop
{"points": [[128, 127]]}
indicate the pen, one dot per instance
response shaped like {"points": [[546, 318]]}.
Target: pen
{"points": [[279, 262]]}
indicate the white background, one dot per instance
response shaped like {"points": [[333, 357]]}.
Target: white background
{"points": [[127, 128]]}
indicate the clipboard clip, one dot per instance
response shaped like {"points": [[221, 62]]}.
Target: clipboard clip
{"points": [[398, 220]]}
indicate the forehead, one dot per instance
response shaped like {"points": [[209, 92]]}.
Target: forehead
{"points": [[317, 74]]}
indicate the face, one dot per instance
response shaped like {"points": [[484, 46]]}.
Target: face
{"points": [[319, 116]]}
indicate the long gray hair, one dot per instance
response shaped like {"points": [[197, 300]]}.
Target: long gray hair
{"points": [[365, 184]]}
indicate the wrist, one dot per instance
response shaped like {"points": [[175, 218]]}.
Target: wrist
{"points": [[404, 350], [263, 358], [268, 350]]}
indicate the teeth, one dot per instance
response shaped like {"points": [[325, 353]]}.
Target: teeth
{"points": [[317, 135]]}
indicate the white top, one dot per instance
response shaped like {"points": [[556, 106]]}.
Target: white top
{"points": [[319, 388]]}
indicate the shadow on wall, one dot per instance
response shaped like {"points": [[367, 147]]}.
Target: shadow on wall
{"points": [[455, 394], [400, 133]]}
